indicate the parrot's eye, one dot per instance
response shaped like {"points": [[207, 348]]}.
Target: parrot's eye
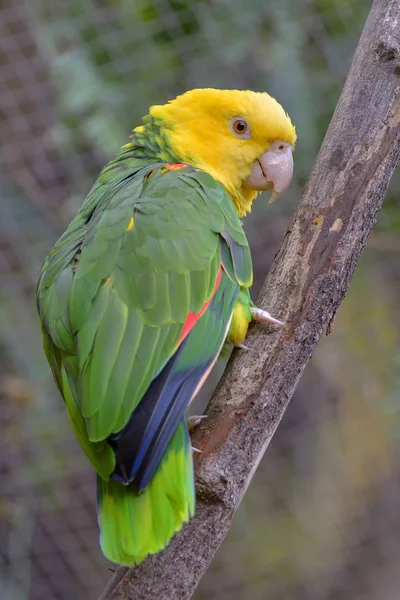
{"points": [[240, 127]]}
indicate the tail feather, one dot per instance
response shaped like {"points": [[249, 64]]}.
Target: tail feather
{"points": [[134, 525]]}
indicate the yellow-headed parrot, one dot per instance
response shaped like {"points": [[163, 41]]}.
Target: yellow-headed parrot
{"points": [[139, 294]]}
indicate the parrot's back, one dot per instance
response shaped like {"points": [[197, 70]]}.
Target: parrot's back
{"points": [[135, 301]]}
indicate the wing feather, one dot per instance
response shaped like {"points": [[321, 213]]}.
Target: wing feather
{"points": [[114, 302]]}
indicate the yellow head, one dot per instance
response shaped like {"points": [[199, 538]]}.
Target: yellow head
{"points": [[243, 139]]}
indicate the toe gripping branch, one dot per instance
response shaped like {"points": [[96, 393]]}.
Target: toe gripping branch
{"points": [[257, 314]]}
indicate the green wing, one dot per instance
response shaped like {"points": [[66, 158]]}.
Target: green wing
{"points": [[114, 301], [114, 296]]}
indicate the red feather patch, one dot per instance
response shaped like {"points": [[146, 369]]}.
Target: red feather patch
{"points": [[167, 167], [175, 167], [192, 318]]}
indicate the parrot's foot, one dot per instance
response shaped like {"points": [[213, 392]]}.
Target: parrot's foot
{"points": [[242, 346], [257, 314], [193, 421]]}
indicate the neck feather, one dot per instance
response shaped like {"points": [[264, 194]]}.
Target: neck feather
{"points": [[243, 200], [150, 141]]}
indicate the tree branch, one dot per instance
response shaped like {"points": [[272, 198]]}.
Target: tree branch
{"points": [[305, 286]]}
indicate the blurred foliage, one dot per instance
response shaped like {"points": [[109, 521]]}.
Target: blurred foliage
{"points": [[176, 45], [320, 520]]}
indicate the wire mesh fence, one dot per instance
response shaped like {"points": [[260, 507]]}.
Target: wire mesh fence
{"points": [[320, 520]]}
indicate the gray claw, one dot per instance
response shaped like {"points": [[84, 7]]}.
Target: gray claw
{"points": [[258, 314], [194, 420], [242, 347]]}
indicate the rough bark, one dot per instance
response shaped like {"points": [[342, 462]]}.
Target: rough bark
{"points": [[305, 286]]}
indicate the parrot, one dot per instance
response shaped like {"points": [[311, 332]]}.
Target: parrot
{"points": [[139, 295]]}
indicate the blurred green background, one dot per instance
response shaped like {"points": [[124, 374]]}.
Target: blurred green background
{"points": [[321, 518]]}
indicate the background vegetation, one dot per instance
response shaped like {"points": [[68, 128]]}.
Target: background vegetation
{"points": [[320, 520]]}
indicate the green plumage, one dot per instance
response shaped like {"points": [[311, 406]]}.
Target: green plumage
{"points": [[113, 301], [124, 515]]}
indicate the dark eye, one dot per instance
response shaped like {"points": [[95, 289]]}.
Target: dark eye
{"points": [[239, 126]]}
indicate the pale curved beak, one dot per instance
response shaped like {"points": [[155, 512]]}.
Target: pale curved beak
{"points": [[273, 170]]}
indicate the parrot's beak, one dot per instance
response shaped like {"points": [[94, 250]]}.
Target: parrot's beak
{"points": [[273, 170]]}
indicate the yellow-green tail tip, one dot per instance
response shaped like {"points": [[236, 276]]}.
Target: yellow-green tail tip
{"points": [[132, 525]]}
